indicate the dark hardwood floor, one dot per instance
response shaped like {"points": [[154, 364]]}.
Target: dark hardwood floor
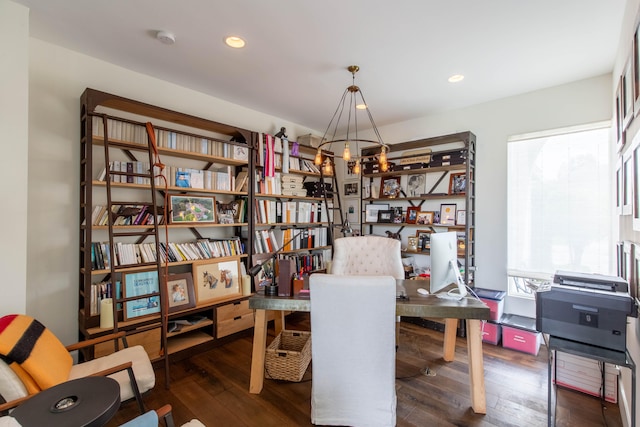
{"points": [[213, 387]]}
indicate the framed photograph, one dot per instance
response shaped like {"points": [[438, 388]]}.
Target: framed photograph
{"points": [[627, 93], [424, 240], [181, 292], [385, 215], [461, 217], [371, 211], [412, 214], [448, 214], [187, 209], [636, 70], [351, 189], [225, 213], [215, 280], [390, 187], [349, 166], [352, 210], [416, 184], [458, 183], [461, 239], [424, 218], [146, 285], [412, 244], [627, 183], [620, 131]]}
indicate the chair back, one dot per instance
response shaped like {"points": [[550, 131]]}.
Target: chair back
{"points": [[353, 350], [367, 255]]}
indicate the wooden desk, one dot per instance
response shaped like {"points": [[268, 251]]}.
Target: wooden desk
{"points": [[470, 309]]}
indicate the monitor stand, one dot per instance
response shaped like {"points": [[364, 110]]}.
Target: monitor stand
{"points": [[462, 287]]}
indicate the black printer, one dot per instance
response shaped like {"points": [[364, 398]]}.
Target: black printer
{"points": [[590, 309]]}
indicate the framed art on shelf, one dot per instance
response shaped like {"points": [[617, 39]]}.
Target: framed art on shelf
{"points": [[416, 184], [424, 240], [385, 216], [412, 214], [390, 187], [215, 280], [371, 211], [458, 183], [461, 217], [181, 292], [187, 209], [146, 285], [424, 217], [412, 244], [448, 214]]}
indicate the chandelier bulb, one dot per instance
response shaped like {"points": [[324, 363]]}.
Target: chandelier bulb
{"points": [[346, 154], [327, 167], [384, 166], [383, 155], [356, 168], [318, 158]]}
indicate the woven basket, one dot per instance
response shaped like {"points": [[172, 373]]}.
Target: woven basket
{"points": [[288, 356]]}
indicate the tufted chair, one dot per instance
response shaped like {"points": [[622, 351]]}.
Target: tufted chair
{"points": [[367, 256]]}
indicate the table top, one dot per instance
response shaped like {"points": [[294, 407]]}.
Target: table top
{"points": [[415, 305], [89, 401]]}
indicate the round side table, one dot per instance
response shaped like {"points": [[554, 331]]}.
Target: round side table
{"points": [[90, 402]]}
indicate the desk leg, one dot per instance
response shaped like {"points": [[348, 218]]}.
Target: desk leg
{"points": [[257, 357], [476, 366], [278, 322], [450, 329]]}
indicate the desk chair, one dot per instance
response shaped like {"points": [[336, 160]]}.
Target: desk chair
{"points": [[152, 419], [353, 350], [33, 359], [367, 255]]}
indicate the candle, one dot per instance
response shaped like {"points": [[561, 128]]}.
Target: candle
{"points": [[106, 313]]}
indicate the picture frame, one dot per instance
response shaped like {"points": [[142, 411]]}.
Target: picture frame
{"points": [[352, 210], [627, 184], [180, 292], [390, 187], [349, 167], [412, 214], [461, 217], [416, 184], [188, 209], [385, 216], [627, 92], [620, 131], [145, 284], [636, 70], [424, 217], [448, 214], [424, 240], [216, 280], [397, 216], [458, 183], [461, 239], [352, 189], [412, 244], [225, 213], [371, 211]]}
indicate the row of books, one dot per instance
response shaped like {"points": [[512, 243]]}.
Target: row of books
{"points": [[295, 162], [220, 178], [137, 134], [125, 215], [267, 241], [136, 253], [100, 291], [307, 262], [289, 212]]}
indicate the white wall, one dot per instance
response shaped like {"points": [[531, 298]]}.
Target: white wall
{"points": [[14, 127]]}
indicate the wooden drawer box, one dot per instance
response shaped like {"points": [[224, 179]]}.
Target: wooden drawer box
{"points": [[233, 325], [150, 340], [232, 310]]}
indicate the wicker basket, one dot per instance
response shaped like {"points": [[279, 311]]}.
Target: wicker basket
{"points": [[288, 356]]}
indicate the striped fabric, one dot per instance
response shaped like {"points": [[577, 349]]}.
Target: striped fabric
{"points": [[36, 355]]}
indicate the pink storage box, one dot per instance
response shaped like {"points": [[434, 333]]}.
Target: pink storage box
{"points": [[495, 301], [491, 333], [519, 333]]}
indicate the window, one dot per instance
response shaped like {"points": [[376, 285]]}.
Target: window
{"points": [[559, 205]]}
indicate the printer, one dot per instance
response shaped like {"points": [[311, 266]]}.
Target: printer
{"points": [[587, 308]]}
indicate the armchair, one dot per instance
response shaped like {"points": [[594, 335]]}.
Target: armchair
{"points": [[33, 359], [367, 255]]}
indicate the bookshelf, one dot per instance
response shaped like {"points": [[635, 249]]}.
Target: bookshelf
{"points": [[140, 223]]}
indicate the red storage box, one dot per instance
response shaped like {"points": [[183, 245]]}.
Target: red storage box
{"points": [[519, 333], [494, 299], [491, 333]]}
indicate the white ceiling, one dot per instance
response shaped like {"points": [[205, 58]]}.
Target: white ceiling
{"points": [[294, 64]]}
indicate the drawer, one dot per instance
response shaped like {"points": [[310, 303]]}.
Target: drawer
{"points": [[491, 333], [521, 340], [235, 324], [233, 310], [150, 340]]}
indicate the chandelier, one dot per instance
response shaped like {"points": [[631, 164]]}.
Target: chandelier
{"points": [[351, 103]]}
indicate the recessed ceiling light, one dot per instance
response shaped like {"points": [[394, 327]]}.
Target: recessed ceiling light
{"points": [[234, 41], [456, 78], [361, 106]]}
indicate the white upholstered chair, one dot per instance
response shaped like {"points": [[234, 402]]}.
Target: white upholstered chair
{"points": [[353, 350], [367, 255]]}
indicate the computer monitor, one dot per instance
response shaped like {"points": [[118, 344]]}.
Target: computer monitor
{"points": [[444, 264]]}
